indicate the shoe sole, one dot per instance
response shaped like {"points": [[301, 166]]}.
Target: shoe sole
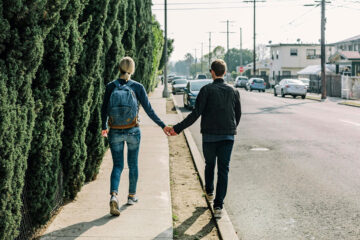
{"points": [[114, 209], [130, 202]]}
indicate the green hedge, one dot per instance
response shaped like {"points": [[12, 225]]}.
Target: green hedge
{"points": [[55, 58]]}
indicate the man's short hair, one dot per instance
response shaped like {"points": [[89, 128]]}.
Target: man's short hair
{"points": [[219, 67]]}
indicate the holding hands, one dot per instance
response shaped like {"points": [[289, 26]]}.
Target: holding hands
{"points": [[169, 131]]}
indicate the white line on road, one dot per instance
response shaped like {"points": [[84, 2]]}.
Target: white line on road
{"points": [[352, 123]]}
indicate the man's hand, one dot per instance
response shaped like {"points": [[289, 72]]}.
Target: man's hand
{"points": [[172, 132], [104, 133], [166, 130]]}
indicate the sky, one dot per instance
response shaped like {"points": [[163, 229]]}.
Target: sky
{"points": [[278, 21]]}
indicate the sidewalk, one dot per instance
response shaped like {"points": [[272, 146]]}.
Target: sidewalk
{"points": [[151, 218]]}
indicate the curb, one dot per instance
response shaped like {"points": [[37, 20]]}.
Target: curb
{"points": [[225, 226], [352, 104]]}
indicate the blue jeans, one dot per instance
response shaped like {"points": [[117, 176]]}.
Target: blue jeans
{"points": [[117, 138], [220, 151]]}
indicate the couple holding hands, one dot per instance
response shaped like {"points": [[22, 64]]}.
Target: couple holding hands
{"points": [[217, 103]]}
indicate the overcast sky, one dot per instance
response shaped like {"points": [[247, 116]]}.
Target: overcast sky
{"points": [[281, 21]]}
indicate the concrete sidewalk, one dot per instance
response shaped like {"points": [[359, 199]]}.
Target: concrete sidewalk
{"points": [[151, 218]]}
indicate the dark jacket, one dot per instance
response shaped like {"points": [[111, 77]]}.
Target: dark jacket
{"points": [[219, 107]]}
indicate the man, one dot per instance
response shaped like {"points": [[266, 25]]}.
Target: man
{"points": [[219, 106]]}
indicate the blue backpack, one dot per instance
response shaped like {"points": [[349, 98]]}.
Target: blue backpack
{"points": [[123, 106]]}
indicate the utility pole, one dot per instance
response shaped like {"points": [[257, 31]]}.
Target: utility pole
{"points": [[241, 54], [322, 43], [254, 51], [323, 76], [210, 50], [202, 53], [195, 62], [227, 39], [165, 91]]}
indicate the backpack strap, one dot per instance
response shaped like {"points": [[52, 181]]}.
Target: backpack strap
{"points": [[117, 84]]}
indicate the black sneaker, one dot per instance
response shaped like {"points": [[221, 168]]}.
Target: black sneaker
{"points": [[114, 206]]}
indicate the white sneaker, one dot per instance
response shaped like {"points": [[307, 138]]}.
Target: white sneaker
{"points": [[114, 206], [132, 200], [218, 213], [210, 197]]}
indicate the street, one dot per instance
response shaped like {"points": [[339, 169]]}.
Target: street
{"points": [[295, 169]]}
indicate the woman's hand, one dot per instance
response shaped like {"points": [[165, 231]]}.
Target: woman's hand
{"points": [[104, 133]]}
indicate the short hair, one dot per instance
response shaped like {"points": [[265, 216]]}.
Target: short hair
{"points": [[219, 67], [127, 67]]}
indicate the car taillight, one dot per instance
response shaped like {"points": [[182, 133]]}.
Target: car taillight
{"points": [[264, 84], [253, 83], [287, 86]]}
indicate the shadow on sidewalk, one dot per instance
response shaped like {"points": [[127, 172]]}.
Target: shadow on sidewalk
{"points": [[72, 232], [179, 232]]}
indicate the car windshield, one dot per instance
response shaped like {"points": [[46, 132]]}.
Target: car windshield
{"points": [[295, 82], [258, 80], [201, 76], [196, 86], [182, 81], [306, 81], [243, 79]]}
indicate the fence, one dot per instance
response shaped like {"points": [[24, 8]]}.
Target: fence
{"points": [[350, 87], [27, 228]]}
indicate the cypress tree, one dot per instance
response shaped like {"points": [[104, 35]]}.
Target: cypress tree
{"points": [[129, 34], [158, 44], [113, 50], [50, 88], [144, 43], [23, 28], [80, 99]]}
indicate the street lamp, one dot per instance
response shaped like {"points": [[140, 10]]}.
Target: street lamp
{"points": [[165, 93]]}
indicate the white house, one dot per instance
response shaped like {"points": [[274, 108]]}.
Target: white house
{"points": [[288, 59]]}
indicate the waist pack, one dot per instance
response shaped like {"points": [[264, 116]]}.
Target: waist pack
{"points": [[123, 107]]}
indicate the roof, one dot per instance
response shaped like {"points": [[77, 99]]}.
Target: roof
{"points": [[350, 39], [350, 54], [293, 44], [316, 69]]}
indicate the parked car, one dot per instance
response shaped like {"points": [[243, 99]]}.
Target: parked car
{"points": [[200, 76], [178, 85], [306, 81], [256, 84], [192, 90], [291, 87], [241, 81]]}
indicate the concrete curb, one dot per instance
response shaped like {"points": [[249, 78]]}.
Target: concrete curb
{"points": [[225, 226], [352, 104]]}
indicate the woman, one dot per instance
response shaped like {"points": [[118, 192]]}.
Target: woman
{"points": [[125, 128]]}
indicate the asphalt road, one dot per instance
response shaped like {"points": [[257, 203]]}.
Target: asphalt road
{"points": [[307, 185]]}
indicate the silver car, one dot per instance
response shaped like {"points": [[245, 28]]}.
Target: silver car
{"points": [[178, 85], [291, 87], [240, 81]]}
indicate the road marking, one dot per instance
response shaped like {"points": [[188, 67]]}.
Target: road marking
{"points": [[352, 123], [259, 149]]}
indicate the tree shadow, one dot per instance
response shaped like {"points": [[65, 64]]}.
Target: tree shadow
{"points": [[179, 232], [72, 232], [277, 109]]}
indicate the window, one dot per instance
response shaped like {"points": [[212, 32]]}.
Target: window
{"points": [[286, 73], [293, 52], [311, 54], [277, 54]]}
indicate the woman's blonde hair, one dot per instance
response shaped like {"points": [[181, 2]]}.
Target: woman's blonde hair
{"points": [[127, 67]]}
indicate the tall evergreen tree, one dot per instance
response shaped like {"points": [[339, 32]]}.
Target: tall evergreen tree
{"points": [[80, 99], [23, 28], [129, 35], [50, 88]]}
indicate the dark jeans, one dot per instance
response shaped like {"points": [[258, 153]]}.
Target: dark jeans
{"points": [[222, 152]]}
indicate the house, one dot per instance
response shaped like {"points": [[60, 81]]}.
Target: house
{"points": [[262, 68], [347, 62], [349, 44], [288, 59]]}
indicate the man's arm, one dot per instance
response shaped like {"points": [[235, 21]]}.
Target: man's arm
{"points": [[237, 107], [195, 114]]}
